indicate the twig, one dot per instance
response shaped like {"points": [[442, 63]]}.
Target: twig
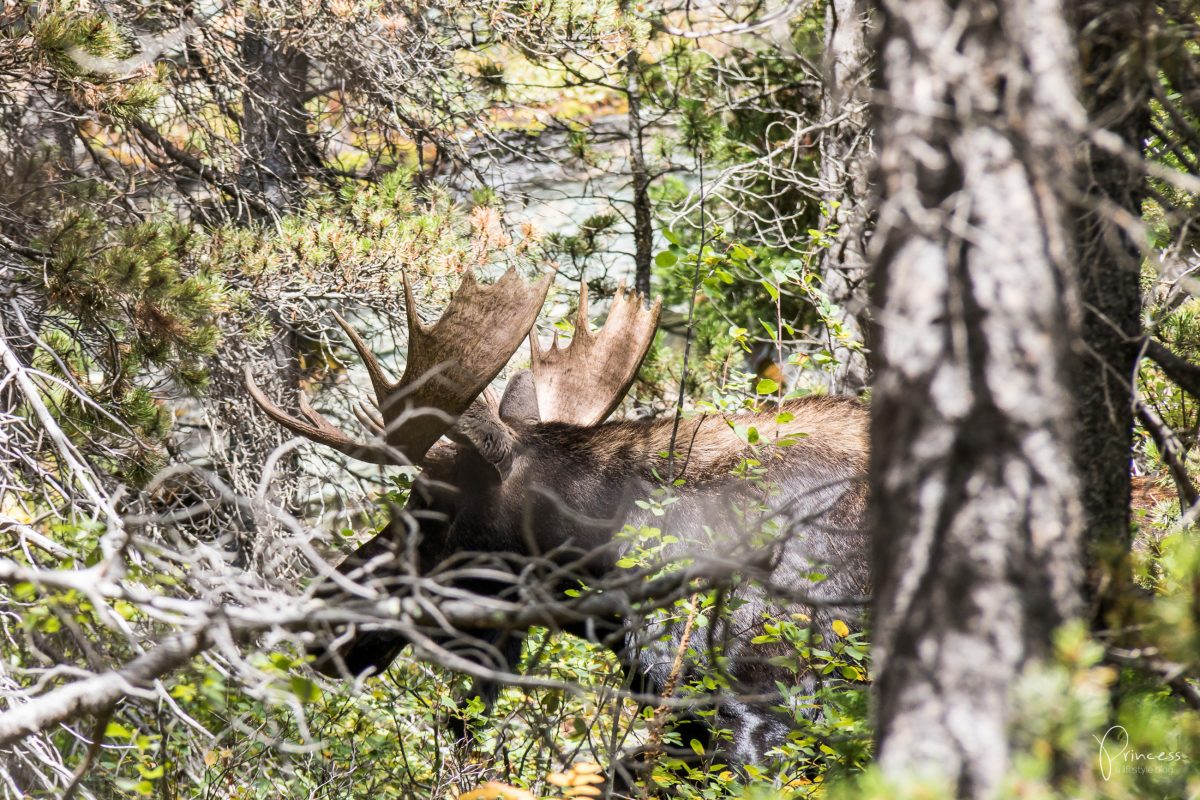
{"points": [[1174, 675], [78, 468], [92, 751], [1172, 451], [95, 694], [654, 746]]}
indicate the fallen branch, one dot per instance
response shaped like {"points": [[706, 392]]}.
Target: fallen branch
{"points": [[96, 694], [410, 617]]}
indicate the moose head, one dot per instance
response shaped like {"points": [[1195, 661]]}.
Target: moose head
{"points": [[540, 477]]}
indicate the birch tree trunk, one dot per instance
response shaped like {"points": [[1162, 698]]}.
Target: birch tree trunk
{"points": [[977, 515]]}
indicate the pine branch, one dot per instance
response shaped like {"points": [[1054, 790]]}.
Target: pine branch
{"points": [[22, 250]]}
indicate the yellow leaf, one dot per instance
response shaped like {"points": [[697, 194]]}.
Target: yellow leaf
{"points": [[840, 628], [210, 758]]}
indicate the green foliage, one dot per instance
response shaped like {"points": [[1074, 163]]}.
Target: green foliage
{"points": [[69, 41], [755, 304], [128, 306], [1100, 721]]}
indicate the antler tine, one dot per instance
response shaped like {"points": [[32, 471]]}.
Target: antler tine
{"points": [[369, 418], [584, 382], [452, 362], [318, 429], [379, 380], [582, 323], [449, 365]]}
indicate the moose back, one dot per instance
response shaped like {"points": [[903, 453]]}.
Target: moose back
{"points": [[534, 494]]}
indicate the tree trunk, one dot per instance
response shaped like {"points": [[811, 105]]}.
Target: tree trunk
{"points": [[643, 231], [1109, 278], [274, 132], [277, 155], [846, 153], [976, 517]]}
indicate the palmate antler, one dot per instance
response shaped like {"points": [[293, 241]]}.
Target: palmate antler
{"points": [[449, 366], [585, 381]]}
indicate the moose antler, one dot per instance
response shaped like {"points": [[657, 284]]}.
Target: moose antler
{"points": [[585, 381], [449, 366]]}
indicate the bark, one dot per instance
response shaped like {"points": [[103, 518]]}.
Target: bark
{"points": [[643, 231], [846, 153], [977, 517], [1109, 270]]}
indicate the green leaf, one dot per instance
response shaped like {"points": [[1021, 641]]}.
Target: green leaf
{"points": [[766, 386], [115, 730], [304, 689], [183, 691], [627, 562], [697, 747], [666, 259]]}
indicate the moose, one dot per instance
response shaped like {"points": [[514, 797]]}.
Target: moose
{"points": [[539, 477]]}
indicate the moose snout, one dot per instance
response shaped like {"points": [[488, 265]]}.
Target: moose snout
{"points": [[368, 651]]}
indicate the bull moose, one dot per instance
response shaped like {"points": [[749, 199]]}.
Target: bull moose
{"points": [[539, 476]]}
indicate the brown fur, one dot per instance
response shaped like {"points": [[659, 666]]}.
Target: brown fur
{"points": [[707, 446]]}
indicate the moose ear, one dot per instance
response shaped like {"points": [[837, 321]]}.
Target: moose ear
{"points": [[482, 430], [519, 403]]}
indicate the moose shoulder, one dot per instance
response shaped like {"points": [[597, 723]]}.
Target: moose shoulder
{"points": [[539, 480]]}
